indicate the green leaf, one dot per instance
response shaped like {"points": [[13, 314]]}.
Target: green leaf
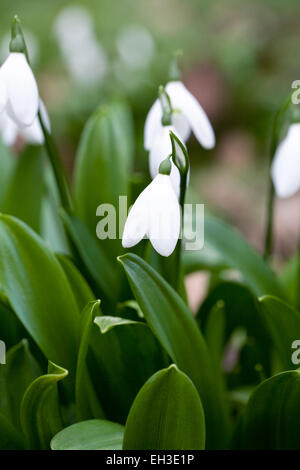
{"points": [[40, 413], [125, 354], [81, 290], [20, 370], [23, 195], [38, 291], [94, 434], [177, 330], [86, 400], [10, 439], [91, 259], [11, 330], [104, 161], [271, 419], [226, 248], [283, 323], [166, 414]]}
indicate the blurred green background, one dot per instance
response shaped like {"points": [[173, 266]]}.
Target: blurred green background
{"points": [[239, 59]]}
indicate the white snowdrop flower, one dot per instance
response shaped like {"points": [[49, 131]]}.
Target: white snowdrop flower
{"points": [[32, 134], [135, 46], [155, 215], [22, 92], [83, 55], [160, 148], [285, 170], [8, 129], [189, 115]]}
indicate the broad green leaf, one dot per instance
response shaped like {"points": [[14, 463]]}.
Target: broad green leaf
{"points": [[52, 228], [86, 400], [20, 370], [166, 414], [81, 290], [92, 261], [40, 411], [10, 439], [38, 291], [271, 418], [226, 248], [177, 330], [104, 161], [7, 163], [94, 434], [23, 195], [11, 330], [283, 323], [125, 354]]}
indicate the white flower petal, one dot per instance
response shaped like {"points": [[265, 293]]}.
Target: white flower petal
{"points": [[182, 99], [181, 124], [23, 98], [152, 124], [164, 216], [137, 221], [285, 170], [33, 134], [160, 149], [8, 129], [3, 95]]}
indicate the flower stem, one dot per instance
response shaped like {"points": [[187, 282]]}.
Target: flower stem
{"points": [[275, 138], [57, 167]]}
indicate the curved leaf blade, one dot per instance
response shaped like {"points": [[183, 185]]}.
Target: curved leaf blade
{"points": [[94, 434], [166, 414]]}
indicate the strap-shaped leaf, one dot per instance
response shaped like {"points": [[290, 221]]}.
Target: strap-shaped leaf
{"points": [[91, 259], [40, 412], [10, 439], [272, 415], [38, 291], [94, 434], [23, 195], [81, 290], [20, 370], [166, 414], [125, 354], [7, 164], [86, 400], [177, 330]]}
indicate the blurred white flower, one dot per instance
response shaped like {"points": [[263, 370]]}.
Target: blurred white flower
{"points": [[156, 215], [83, 55], [188, 115], [285, 170], [32, 134], [22, 97], [135, 46]]}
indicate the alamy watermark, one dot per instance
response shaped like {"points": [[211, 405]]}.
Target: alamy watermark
{"points": [[295, 358], [2, 352], [112, 222]]}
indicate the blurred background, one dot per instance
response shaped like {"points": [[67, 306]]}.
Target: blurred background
{"points": [[239, 59]]}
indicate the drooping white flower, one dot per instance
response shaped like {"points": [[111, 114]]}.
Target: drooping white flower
{"points": [[285, 170], [189, 115], [22, 97], [155, 215], [32, 134], [160, 148]]}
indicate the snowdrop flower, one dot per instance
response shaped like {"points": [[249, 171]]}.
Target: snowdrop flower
{"points": [[187, 115], [135, 46], [22, 98], [155, 214], [285, 170], [30, 134]]}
